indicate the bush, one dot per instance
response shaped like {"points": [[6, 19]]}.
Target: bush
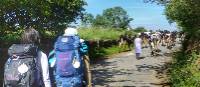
{"points": [[108, 40], [140, 29], [100, 34], [185, 70]]}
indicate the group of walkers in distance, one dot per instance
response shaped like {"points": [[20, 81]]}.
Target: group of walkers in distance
{"points": [[155, 39], [151, 39], [67, 65]]}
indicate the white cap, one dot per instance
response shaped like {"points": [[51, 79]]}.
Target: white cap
{"points": [[70, 32], [81, 40]]}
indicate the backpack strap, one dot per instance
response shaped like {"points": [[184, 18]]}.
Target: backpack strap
{"points": [[39, 78], [51, 58], [77, 41], [6, 65], [77, 55]]}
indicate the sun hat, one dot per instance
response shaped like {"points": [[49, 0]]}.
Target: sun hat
{"points": [[70, 32]]}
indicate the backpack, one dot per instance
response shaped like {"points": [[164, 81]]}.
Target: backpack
{"points": [[22, 69], [83, 48], [52, 59], [51, 62], [67, 56]]}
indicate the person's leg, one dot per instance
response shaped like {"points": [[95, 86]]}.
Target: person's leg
{"points": [[87, 71], [137, 55], [157, 44], [146, 43], [52, 73]]}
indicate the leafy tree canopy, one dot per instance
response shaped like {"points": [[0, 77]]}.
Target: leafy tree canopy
{"points": [[101, 21], [115, 17], [87, 19], [161, 2], [140, 29], [186, 13], [40, 14]]}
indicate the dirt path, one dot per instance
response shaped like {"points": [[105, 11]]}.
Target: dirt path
{"points": [[125, 70]]}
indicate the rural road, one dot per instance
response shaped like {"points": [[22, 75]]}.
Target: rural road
{"points": [[124, 70]]}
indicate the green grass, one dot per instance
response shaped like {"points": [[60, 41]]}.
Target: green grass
{"points": [[114, 50], [104, 52]]}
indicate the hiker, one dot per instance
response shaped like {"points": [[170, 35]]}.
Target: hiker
{"points": [[52, 68], [155, 39], [144, 37], [68, 61], [86, 63], [138, 46], [154, 42], [27, 65], [85, 67]]}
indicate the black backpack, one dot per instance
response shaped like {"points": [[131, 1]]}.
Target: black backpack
{"points": [[23, 67]]}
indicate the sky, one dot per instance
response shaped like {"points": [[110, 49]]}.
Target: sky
{"points": [[148, 15]]}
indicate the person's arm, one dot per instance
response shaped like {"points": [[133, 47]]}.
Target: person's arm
{"points": [[45, 69]]}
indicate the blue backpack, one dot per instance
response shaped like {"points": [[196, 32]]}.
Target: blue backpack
{"points": [[66, 52]]}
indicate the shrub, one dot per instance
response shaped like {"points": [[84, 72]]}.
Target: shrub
{"points": [[185, 70], [100, 34]]}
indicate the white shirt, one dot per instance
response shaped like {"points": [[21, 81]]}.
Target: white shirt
{"points": [[138, 42], [45, 68], [138, 45]]}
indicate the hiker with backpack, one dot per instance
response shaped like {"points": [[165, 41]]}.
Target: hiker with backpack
{"points": [[27, 65], [52, 67], [85, 67], [68, 59], [86, 63]]}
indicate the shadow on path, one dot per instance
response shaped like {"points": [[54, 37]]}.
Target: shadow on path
{"points": [[104, 75]]}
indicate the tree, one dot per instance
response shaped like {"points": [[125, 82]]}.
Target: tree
{"points": [[161, 2], [40, 14], [101, 21], [186, 13], [87, 19], [140, 29], [115, 17]]}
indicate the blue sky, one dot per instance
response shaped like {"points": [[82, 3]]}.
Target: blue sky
{"points": [[150, 16]]}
